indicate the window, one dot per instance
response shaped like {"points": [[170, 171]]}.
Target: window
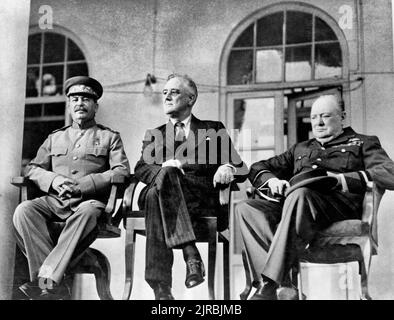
{"points": [[52, 58], [285, 46]]}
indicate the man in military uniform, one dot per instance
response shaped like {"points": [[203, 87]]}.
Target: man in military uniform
{"points": [[73, 167], [273, 231]]}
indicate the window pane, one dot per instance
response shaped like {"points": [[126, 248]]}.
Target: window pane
{"points": [[254, 118], [298, 63], [52, 83], [33, 110], [250, 157], [269, 65], [239, 68], [328, 60], [298, 27], [78, 69], [74, 53], [54, 109], [270, 30], [34, 49], [323, 31], [246, 38], [54, 46], [31, 82]]}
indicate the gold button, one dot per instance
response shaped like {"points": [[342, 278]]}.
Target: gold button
{"points": [[78, 145], [75, 158], [323, 148], [81, 134], [314, 166], [343, 150], [318, 159]]}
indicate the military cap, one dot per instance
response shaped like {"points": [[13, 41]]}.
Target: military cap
{"points": [[83, 85]]}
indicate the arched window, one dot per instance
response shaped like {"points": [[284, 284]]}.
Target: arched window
{"points": [[53, 56], [285, 46]]}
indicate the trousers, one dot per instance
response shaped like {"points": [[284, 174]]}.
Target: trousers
{"points": [[49, 256], [172, 206], [273, 233]]}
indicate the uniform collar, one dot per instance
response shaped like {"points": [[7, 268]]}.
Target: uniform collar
{"points": [[84, 125], [347, 133]]}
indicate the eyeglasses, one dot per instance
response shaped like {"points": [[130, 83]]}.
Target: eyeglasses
{"points": [[172, 92]]}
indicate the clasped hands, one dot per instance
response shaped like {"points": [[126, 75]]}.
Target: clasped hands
{"points": [[66, 187]]}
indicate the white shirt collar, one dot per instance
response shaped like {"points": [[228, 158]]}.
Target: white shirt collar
{"points": [[186, 122]]}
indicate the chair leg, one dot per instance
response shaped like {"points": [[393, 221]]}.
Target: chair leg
{"points": [[100, 267], [226, 270], [248, 285], [299, 283], [364, 272], [129, 260], [212, 242]]}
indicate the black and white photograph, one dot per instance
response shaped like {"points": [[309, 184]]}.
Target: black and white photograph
{"points": [[197, 150]]}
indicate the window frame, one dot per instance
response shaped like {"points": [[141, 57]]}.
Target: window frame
{"points": [[285, 6]]}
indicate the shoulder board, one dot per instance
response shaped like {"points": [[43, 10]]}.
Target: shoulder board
{"points": [[61, 129], [106, 128]]}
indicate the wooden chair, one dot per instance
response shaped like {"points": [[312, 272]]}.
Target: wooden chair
{"points": [[342, 242], [87, 260], [134, 223]]}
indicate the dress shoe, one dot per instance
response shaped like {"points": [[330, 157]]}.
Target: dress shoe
{"points": [[163, 292], [45, 289], [31, 289], [289, 293], [195, 273], [265, 291]]}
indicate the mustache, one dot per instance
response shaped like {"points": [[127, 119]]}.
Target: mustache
{"points": [[80, 109]]}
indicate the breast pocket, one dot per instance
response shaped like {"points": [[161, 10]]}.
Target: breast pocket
{"points": [[345, 159], [96, 159], [97, 152], [59, 157], [301, 161]]}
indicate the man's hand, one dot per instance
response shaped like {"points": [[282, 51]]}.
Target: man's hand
{"points": [[224, 175], [278, 186], [173, 163], [66, 187]]}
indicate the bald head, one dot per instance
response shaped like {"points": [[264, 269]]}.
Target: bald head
{"points": [[327, 118]]}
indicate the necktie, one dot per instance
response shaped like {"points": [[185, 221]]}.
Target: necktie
{"points": [[180, 134]]}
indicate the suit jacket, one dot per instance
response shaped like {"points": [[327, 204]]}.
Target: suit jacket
{"points": [[201, 155], [358, 157], [90, 155]]}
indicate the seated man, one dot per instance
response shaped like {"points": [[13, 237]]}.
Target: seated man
{"points": [[272, 232], [73, 167], [183, 163]]}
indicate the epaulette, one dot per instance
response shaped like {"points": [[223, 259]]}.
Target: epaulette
{"points": [[61, 129], [106, 128]]}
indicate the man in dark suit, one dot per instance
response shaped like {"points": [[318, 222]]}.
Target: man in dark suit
{"points": [[73, 167], [183, 163], [272, 231]]}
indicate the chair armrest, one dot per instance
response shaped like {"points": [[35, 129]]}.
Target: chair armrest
{"points": [[20, 181], [116, 182], [28, 189]]}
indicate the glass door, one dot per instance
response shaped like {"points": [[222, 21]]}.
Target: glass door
{"points": [[255, 123]]}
